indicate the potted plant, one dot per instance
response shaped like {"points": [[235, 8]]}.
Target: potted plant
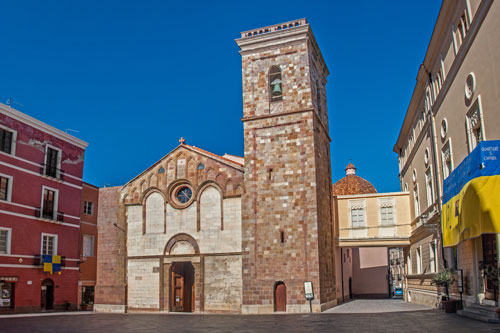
{"points": [[84, 306], [445, 278], [492, 274]]}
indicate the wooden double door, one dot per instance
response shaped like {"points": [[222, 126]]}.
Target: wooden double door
{"points": [[182, 287]]}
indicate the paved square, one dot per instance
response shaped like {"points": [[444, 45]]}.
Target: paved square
{"points": [[410, 321]]}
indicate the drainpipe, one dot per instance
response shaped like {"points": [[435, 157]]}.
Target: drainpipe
{"points": [[342, 273]]}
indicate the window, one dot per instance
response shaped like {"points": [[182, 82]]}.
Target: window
{"points": [[475, 125], [5, 240], [88, 207], [416, 201], [318, 96], [5, 187], [5, 141], [446, 159], [433, 256], [275, 84], [184, 195], [357, 217], [386, 206], [6, 295], [49, 203], [88, 246], [419, 260], [52, 162], [429, 190], [49, 244]]}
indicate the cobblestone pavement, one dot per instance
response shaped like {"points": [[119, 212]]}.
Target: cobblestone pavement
{"points": [[377, 306], [411, 321]]}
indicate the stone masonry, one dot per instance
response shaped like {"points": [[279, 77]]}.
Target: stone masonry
{"points": [[247, 225], [287, 171]]}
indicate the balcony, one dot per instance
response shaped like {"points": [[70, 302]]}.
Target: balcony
{"points": [[59, 216], [38, 260], [52, 171]]}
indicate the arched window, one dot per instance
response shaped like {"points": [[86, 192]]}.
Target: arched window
{"points": [[318, 96], [275, 87]]}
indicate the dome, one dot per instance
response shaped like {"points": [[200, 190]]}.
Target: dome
{"points": [[352, 184]]}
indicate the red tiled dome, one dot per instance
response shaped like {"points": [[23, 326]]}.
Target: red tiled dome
{"points": [[352, 184]]}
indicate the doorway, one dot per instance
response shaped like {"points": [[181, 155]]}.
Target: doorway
{"points": [[47, 298], [182, 287], [280, 297], [490, 259]]}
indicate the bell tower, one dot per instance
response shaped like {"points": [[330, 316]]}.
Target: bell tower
{"points": [[287, 205]]}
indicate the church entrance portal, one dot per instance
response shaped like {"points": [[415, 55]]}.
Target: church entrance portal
{"points": [[182, 287]]}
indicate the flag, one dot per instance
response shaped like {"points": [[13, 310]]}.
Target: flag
{"points": [[471, 196]]}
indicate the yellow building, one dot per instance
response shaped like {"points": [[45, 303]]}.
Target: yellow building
{"points": [[367, 224]]}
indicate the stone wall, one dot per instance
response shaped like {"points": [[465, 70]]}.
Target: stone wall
{"points": [[210, 238], [222, 283], [111, 286], [284, 161], [143, 284]]}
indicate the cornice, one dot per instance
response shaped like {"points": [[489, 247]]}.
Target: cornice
{"points": [[24, 118]]}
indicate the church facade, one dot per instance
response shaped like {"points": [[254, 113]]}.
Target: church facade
{"points": [[198, 232]]}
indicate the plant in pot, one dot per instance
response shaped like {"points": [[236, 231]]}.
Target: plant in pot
{"points": [[445, 278], [84, 306], [492, 274]]}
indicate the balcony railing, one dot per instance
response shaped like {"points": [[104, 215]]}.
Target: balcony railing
{"points": [[38, 261], [51, 171], [59, 216]]}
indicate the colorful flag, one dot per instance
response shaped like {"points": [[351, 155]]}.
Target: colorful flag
{"points": [[471, 196]]}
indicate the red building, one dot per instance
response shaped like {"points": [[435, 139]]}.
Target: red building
{"points": [[41, 171], [88, 246]]}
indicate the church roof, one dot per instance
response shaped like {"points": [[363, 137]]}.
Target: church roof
{"points": [[233, 161], [352, 184]]}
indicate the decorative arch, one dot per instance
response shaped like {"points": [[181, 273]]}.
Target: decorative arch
{"points": [[143, 200], [203, 186], [211, 174], [275, 84], [179, 238], [148, 192]]}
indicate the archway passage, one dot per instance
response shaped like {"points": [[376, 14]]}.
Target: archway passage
{"points": [[280, 297], [47, 296], [182, 287]]}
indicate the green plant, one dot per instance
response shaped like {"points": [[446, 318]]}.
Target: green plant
{"points": [[444, 278], [492, 274]]}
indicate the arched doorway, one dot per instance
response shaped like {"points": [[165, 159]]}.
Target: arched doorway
{"points": [[182, 287], [47, 297], [280, 297]]}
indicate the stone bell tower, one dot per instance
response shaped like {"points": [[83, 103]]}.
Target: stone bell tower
{"points": [[286, 208]]}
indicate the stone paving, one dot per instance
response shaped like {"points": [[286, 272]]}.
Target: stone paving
{"points": [[377, 306], [410, 321]]}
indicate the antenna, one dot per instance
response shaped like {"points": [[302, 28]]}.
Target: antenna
{"points": [[10, 101], [72, 130]]}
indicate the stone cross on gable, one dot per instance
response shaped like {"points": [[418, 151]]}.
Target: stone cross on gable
{"points": [[182, 140]]}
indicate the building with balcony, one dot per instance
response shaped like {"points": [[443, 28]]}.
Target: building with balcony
{"points": [[40, 192], [454, 106]]}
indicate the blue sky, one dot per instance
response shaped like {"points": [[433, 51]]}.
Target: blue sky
{"points": [[134, 76]]}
